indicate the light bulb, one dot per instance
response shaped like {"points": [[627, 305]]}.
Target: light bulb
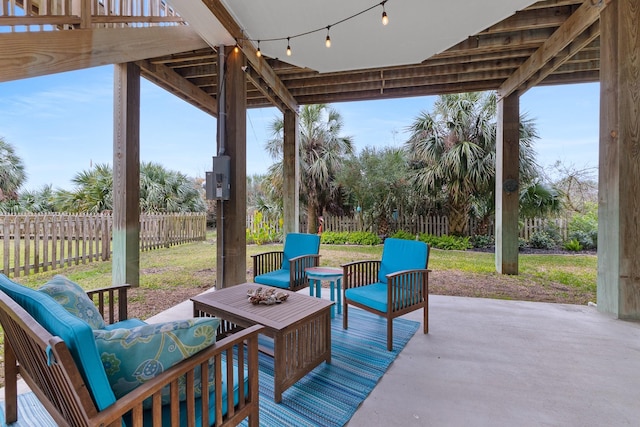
{"points": [[236, 49], [327, 42], [258, 53], [288, 47], [385, 18]]}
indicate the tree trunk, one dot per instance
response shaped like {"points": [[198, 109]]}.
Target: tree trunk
{"points": [[312, 218], [458, 219]]}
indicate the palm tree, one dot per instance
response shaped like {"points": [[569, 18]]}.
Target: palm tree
{"points": [[453, 149], [93, 192], [322, 151], [12, 174], [163, 190]]}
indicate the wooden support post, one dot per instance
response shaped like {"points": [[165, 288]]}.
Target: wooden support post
{"points": [[126, 175], [619, 169], [232, 214], [291, 172], [507, 184]]}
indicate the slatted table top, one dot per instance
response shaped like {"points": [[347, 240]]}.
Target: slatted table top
{"points": [[232, 303]]}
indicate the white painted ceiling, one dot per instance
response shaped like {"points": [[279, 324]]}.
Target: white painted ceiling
{"points": [[417, 29]]}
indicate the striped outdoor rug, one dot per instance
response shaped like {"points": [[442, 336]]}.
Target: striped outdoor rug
{"points": [[330, 394], [327, 396]]}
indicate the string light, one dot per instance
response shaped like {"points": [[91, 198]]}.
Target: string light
{"points": [[327, 42], [385, 18]]}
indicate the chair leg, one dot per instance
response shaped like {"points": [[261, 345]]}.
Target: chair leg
{"points": [[11, 384], [425, 319], [345, 315], [390, 334]]}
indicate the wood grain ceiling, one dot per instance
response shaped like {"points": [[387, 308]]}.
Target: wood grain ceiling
{"points": [[522, 51]]}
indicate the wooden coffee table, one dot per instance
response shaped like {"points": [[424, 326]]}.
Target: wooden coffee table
{"points": [[300, 328]]}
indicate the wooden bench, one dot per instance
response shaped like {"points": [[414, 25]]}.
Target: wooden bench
{"points": [[47, 365]]}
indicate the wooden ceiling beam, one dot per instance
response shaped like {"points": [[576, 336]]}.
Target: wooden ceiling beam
{"points": [[255, 79], [498, 42], [592, 76], [398, 93], [576, 24], [204, 70], [414, 82], [31, 54], [259, 64], [388, 75], [564, 56], [552, 3], [168, 79], [529, 19]]}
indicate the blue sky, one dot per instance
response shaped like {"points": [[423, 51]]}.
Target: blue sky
{"points": [[62, 124]]}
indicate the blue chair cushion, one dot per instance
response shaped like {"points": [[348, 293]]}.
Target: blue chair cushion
{"points": [[373, 295], [77, 335], [400, 254], [133, 356], [125, 324], [278, 278], [298, 244], [74, 299]]}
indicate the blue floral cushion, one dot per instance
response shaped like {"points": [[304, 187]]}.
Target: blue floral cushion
{"points": [[133, 356], [74, 299]]}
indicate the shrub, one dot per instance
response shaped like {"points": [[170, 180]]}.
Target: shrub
{"points": [[352, 238], [261, 232], [363, 238], [401, 234], [573, 245], [446, 242], [542, 240], [481, 241], [522, 243], [334, 237], [585, 239], [584, 228], [553, 232]]}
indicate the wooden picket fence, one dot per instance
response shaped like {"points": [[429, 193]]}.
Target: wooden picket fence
{"points": [[40, 242], [434, 225]]}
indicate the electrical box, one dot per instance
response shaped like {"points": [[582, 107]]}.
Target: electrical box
{"points": [[217, 185]]}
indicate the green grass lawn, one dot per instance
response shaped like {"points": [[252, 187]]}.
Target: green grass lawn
{"points": [[193, 264]]}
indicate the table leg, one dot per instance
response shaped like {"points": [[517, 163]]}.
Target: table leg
{"points": [[319, 288], [312, 283], [339, 296], [333, 307]]}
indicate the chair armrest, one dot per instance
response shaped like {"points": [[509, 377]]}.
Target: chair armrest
{"points": [[267, 262], [108, 296], [359, 273], [242, 345], [298, 278], [407, 288]]}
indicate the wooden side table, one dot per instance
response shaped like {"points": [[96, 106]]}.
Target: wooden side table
{"points": [[300, 328], [331, 274]]}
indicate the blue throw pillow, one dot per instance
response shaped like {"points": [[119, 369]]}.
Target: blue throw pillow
{"points": [[133, 356], [74, 299]]}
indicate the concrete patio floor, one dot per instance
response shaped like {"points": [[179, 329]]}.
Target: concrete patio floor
{"points": [[506, 363]]}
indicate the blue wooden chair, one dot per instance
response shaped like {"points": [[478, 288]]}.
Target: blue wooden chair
{"points": [[285, 269], [396, 285]]}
